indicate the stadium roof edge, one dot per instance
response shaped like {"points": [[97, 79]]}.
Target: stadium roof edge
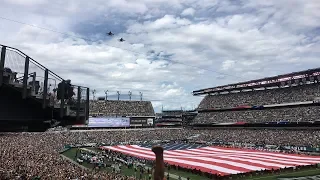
{"points": [[201, 91]]}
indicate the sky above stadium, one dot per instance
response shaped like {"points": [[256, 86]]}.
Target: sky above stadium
{"points": [[171, 48]]}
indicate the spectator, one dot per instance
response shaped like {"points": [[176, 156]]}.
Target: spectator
{"points": [[296, 114], [262, 97], [121, 108], [32, 155]]}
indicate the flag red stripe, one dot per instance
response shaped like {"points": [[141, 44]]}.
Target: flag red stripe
{"points": [[220, 160], [223, 167], [185, 165], [278, 154], [229, 166], [283, 161]]}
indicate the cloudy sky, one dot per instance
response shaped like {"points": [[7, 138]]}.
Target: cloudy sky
{"points": [[172, 47]]}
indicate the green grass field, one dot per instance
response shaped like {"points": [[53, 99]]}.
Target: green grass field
{"points": [[71, 153]]}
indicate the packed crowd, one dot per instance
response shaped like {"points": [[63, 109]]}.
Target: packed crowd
{"points": [[171, 113], [262, 97], [36, 155], [173, 117], [121, 108], [262, 136], [297, 114], [169, 120]]}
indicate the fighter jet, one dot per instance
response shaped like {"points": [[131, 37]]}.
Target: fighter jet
{"points": [[121, 40], [110, 33]]}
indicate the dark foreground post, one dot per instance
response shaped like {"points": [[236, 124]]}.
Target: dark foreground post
{"points": [[159, 169]]}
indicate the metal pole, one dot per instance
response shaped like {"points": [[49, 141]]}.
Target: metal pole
{"points": [[87, 103], [130, 93], [34, 83], [106, 92], [93, 94], [2, 62], [25, 78], [118, 92], [45, 89], [78, 103], [62, 92]]}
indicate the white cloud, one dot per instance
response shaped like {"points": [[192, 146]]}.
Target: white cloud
{"points": [[130, 65], [26, 2], [166, 22], [188, 12], [246, 39], [228, 64]]}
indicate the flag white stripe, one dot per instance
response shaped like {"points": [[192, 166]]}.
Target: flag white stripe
{"points": [[232, 163], [275, 162], [145, 150], [191, 163], [241, 165], [262, 153], [284, 163], [228, 161], [286, 160], [280, 160], [257, 162], [269, 155], [212, 150], [270, 158], [221, 161]]}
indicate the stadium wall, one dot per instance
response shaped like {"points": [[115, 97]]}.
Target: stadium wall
{"points": [[17, 113]]}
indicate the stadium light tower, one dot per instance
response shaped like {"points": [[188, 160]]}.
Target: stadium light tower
{"points": [[130, 93], [118, 92], [93, 94], [141, 94], [106, 92]]}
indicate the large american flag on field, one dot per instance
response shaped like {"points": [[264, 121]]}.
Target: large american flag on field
{"points": [[218, 160]]}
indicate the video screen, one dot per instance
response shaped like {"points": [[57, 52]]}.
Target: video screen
{"points": [[109, 122]]}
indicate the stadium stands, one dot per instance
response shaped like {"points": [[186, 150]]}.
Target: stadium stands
{"points": [[262, 97], [121, 108], [294, 114], [171, 113], [32, 155], [169, 118], [36, 156], [291, 97]]}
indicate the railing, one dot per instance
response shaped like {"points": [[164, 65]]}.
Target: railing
{"points": [[38, 81]]}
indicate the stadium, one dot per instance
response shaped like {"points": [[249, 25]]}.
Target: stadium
{"points": [[159, 90], [266, 128]]}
